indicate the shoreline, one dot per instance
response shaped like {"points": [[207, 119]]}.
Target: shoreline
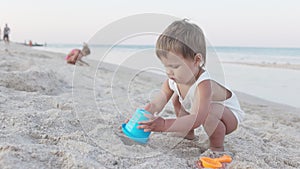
{"points": [[54, 115], [267, 65]]}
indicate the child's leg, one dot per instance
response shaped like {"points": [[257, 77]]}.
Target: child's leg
{"points": [[179, 111], [219, 122]]}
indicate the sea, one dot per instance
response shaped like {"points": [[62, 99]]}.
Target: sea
{"points": [[269, 73]]}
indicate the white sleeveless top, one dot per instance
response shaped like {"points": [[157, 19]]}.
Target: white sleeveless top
{"points": [[232, 103]]}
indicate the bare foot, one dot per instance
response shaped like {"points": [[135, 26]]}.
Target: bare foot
{"points": [[190, 135]]}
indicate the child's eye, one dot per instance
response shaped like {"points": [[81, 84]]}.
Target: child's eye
{"points": [[175, 67]]}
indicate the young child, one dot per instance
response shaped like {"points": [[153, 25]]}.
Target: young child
{"points": [[197, 98], [77, 54]]}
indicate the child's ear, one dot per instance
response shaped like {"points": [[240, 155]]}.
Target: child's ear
{"points": [[198, 59]]}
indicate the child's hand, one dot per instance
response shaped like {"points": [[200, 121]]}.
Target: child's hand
{"points": [[155, 123], [148, 107], [120, 127]]}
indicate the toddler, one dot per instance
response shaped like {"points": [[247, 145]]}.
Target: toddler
{"points": [[197, 98]]}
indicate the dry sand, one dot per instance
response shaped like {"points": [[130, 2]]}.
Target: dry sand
{"points": [[54, 115]]}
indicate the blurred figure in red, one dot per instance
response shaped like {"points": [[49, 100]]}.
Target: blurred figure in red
{"points": [[77, 55]]}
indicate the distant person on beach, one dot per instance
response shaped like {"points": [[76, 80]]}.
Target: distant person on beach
{"points": [[198, 99], [6, 32], [77, 54]]}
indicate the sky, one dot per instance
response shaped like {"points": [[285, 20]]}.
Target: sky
{"points": [[255, 23]]}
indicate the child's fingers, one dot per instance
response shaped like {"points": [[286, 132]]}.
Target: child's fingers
{"points": [[147, 130], [148, 123], [126, 121], [149, 116], [120, 127], [148, 107], [145, 127]]}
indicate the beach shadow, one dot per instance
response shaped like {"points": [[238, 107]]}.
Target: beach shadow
{"points": [[127, 141]]}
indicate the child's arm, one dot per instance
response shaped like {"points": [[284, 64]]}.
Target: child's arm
{"points": [[199, 112], [79, 59], [160, 100]]}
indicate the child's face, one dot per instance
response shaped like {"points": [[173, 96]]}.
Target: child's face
{"points": [[181, 70]]}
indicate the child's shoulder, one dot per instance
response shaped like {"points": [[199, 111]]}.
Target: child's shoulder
{"points": [[204, 75], [75, 50]]}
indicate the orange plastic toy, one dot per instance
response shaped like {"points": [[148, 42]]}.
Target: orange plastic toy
{"points": [[215, 162], [210, 162], [224, 159]]}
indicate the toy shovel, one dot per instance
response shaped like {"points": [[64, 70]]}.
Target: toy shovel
{"points": [[215, 162]]}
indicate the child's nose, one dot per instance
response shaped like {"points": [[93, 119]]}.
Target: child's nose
{"points": [[169, 72]]}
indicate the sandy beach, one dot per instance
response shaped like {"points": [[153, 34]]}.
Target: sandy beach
{"points": [[54, 115]]}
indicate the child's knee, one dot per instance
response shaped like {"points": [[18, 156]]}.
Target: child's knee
{"points": [[215, 131]]}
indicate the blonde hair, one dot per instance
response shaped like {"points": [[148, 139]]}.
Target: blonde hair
{"points": [[85, 49], [184, 38]]}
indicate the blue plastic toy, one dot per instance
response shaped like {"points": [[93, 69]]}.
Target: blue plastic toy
{"points": [[130, 129]]}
